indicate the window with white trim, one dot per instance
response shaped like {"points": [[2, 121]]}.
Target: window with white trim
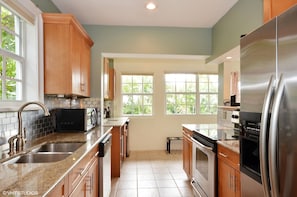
{"points": [[180, 91], [208, 93], [137, 94], [185, 93], [21, 54], [11, 55]]}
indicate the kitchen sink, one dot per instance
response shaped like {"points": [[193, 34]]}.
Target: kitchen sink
{"points": [[61, 147], [46, 153], [38, 158]]}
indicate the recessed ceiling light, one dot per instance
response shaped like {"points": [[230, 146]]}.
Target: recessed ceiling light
{"points": [[228, 57], [151, 6]]}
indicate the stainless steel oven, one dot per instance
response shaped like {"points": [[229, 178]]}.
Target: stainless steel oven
{"points": [[204, 168]]}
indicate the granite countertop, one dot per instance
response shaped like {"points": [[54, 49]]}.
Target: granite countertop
{"points": [[230, 108], [230, 144], [116, 121], [37, 179], [193, 127]]}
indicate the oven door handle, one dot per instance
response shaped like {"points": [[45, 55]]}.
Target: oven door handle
{"points": [[202, 145]]}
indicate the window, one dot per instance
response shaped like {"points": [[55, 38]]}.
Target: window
{"points": [[180, 90], [11, 57], [181, 93], [137, 94], [208, 92], [21, 64]]}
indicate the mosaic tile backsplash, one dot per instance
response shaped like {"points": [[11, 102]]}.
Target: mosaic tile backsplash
{"points": [[37, 125]]}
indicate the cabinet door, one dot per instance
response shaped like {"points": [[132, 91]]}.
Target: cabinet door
{"points": [[108, 80], [273, 8], [187, 153], [56, 59], [92, 180], [76, 42], [85, 68], [226, 176], [116, 152], [81, 189], [61, 189]]}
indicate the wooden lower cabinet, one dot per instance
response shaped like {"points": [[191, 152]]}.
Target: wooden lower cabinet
{"points": [[88, 185], [228, 173], [187, 152], [61, 189], [82, 180], [118, 150]]}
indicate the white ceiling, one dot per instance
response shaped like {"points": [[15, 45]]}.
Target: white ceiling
{"points": [[169, 13]]}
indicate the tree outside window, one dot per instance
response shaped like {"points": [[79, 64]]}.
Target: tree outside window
{"points": [[10, 56], [137, 94], [208, 92], [180, 90]]}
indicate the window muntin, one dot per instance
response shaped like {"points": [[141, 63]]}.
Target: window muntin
{"points": [[180, 93], [208, 93], [11, 59], [137, 94]]}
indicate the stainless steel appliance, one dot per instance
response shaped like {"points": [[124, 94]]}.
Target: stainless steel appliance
{"points": [[75, 119], [105, 166], [268, 111], [204, 164]]}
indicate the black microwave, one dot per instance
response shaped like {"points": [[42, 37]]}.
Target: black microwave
{"points": [[73, 120]]}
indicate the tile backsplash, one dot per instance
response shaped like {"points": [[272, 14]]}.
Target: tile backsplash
{"points": [[36, 124]]}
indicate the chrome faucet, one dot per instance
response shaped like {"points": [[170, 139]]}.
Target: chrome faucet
{"points": [[21, 136]]}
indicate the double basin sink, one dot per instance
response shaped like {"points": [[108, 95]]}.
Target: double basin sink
{"points": [[49, 152]]}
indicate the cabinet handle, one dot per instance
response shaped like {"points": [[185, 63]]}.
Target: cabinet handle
{"points": [[82, 87], [223, 155], [234, 180], [63, 190], [229, 182]]}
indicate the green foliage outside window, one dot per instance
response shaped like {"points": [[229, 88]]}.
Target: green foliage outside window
{"points": [[137, 98], [208, 91], [180, 93], [10, 68]]}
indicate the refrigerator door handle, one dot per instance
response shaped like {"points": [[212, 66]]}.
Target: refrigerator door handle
{"points": [[263, 135], [272, 146]]}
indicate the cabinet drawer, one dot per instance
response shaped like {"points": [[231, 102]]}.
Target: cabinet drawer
{"points": [[229, 156], [187, 132], [77, 173]]}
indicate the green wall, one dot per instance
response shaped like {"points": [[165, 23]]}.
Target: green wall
{"points": [[46, 6], [242, 18], [245, 16], [144, 40]]}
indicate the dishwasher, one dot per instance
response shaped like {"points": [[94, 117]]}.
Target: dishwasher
{"points": [[105, 166]]}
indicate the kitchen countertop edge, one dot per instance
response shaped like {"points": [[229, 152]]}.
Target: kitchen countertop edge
{"points": [[17, 183]]}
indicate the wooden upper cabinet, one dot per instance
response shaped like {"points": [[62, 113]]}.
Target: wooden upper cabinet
{"points": [[66, 56], [273, 8], [108, 79]]}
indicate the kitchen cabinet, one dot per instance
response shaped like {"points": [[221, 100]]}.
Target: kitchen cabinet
{"points": [[88, 185], [187, 152], [66, 56], [108, 79], [117, 150], [228, 172], [272, 8], [61, 189]]}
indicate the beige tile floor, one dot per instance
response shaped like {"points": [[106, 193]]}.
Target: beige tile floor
{"points": [[152, 174]]}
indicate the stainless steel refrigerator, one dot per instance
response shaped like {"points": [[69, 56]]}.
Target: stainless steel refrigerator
{"points": [[268, 109]]}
